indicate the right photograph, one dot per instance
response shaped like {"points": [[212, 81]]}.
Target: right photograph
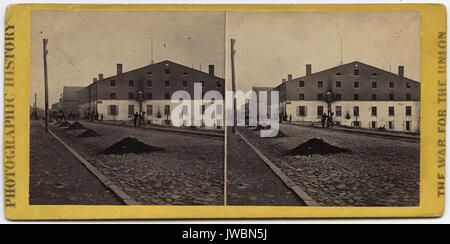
{"points": [[326, 109]]}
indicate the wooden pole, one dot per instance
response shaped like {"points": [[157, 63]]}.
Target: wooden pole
{"points": [[46, 82], [233, 84], [35, 106]]}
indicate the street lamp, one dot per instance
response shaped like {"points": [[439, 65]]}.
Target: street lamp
{"points": [[140, 101]]}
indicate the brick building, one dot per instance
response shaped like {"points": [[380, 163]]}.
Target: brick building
{"points": [[358, 94], [70, 99], [147, 89]]}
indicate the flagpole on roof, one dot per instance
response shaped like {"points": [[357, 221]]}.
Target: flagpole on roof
{"points": [[151, 50]]}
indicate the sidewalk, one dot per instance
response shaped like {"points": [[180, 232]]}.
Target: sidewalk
{"points": [[357, 130], [195, 131], [57, 177], [251, 181]]}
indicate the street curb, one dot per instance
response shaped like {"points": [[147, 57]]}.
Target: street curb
{"points": [[360, 132], [105, 181], [166, 130], [286, 180]]}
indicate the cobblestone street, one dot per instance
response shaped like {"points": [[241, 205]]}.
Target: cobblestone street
{"points": [[188, 172], [379, 171]]}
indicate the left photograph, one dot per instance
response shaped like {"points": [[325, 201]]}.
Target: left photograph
{"points": [[117, 115]]}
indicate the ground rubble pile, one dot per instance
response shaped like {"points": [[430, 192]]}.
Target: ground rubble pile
{"points": [[64, 124], [76, 126], [316, 146], [130, 145], [89, 133]]}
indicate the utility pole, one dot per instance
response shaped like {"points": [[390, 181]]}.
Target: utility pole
{"points": [[46, 82], [35, 106], [233, 83]]}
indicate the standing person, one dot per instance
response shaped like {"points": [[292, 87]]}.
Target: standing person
{"points": [[101, 117], [135, 118], [330, 119], [323, 119], [140, 119], [143, 119], [290, 118]]}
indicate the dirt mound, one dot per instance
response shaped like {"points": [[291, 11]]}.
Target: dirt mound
{"points": [[316, 146], [281, 134], [75, 126], [130, 145], [64, 124], [88, 133], [262, 127]]}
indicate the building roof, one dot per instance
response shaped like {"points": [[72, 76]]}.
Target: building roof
{"points": [[347, 65], [261, 88], [156, 64], [70, 93]]}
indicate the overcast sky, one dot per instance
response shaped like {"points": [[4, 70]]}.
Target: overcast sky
{"points": [[271, 45], [83, 44]]}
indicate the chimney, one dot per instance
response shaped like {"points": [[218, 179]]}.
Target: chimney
{"points": [[289, 77], [119, 69], [211, 69], [308, 69], [283, 80], [100, 76], [94, 80], [401, 71]]}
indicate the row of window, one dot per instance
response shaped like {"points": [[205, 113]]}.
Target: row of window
{"points": [[338, 97], [356, 84], [114, 110], [148, 96], [167, 72], [166, 83], [302, 111]]}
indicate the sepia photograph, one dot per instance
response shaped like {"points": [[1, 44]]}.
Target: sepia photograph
{"points": [[109, 79], [225, 108], [342, 92]]}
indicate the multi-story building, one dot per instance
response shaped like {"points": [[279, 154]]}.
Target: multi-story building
{"points": [[148, 89], [359, 95], [56, 107], [70, 99]]}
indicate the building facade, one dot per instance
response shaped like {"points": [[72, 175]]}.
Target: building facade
{"points": [[70, 99], [148, 89], [359, 95]]}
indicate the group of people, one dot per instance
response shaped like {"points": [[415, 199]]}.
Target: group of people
{"points": [[139, 119], [327, 119], [95, 116]]}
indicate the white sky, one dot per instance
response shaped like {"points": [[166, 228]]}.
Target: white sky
{"points": [[83, 44], [271, 45]]}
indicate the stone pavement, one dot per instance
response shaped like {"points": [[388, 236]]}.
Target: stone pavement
{"points": [[188, 172], [379, 171]]}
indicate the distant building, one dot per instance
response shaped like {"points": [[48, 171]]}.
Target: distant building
{"points": [[56, 107], [359, 95], [147, 89], [70, 99]]}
